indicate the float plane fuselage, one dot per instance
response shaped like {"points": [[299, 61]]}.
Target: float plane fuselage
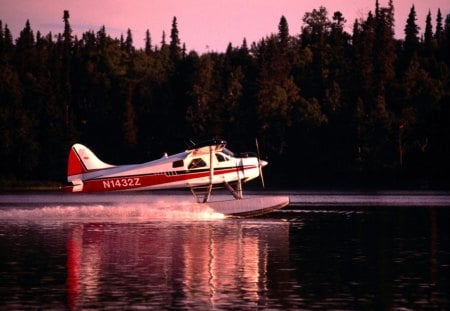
{"points": [[204, 164]]}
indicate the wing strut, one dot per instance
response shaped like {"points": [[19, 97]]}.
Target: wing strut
{"points": [[211, 175], [203, 193]]}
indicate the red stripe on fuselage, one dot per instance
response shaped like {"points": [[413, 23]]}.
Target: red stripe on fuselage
{"points": [[150, 180]]}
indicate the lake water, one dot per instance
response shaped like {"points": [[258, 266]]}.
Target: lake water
{"points": [[326, 250]]}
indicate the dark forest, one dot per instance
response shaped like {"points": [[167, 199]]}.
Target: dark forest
{"points": [[328, 107]]}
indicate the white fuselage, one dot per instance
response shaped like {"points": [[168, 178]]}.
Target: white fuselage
{"points": [[192, 168]]}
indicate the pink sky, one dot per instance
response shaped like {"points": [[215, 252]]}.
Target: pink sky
{"points": [[203, 24]]}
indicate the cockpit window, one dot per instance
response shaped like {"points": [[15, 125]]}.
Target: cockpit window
{"points": [[178, 163], [196, 163], [221, 157]]}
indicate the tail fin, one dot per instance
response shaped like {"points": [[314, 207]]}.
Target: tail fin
{"points": [[81, 161]]}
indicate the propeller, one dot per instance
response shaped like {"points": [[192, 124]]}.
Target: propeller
{"points": [[261, 163]]}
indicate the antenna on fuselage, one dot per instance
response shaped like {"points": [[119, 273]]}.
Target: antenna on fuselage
{"points": [[190, 143]]}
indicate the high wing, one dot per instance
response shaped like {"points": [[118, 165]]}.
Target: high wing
{"points": [[205, 164]]}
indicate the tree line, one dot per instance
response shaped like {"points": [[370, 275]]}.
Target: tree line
{"points": [[325, 104]]}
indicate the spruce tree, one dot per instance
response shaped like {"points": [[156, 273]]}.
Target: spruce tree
{"points": [[174, 46], [446, 47], [26, 38], [283, 32], [428, 35], [148, 43], [384, 47], [24, 49], [122, 42], [366, 66], [66, 67], [8, 39], [439, 28], [163, 40], [411, 30], [101, 38], [1, 34], [129, 42], [244, 45], [391, 15]]}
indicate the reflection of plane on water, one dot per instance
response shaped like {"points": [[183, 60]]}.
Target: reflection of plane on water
{"points": [[200, 168], [196, 265]]}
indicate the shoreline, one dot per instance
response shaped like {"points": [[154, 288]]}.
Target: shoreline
{"points": [[30, 186]]}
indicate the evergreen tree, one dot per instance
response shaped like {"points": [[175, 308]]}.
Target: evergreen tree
{"points": [[8, 40], [66, 84], [163, 40], [174, 46], [129, 48], [101, 38], [391, 11], [24, 45], [183, 51], [148, 43], [356, 41], [244, 45], [439, 28], [446, 46], [377, 9], [411, 31], [385, 54], [67, 29], [6, 45], [366, 66], [283, 33], [2, 37], [428, 35]]}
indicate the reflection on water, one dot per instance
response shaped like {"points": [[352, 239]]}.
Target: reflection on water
{"points": [[304, 257], [198, 265]]}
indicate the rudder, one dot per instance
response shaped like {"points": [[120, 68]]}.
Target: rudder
{"points": [[81, 160]]}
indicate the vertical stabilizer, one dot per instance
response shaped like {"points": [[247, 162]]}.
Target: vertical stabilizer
{"points": [[81, 161]]}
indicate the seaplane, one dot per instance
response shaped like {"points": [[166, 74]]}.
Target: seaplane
{"points": [[201, 168]]}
